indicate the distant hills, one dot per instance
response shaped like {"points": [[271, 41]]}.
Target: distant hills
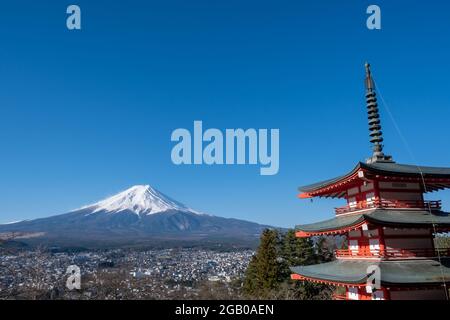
{"points": [[140, 216]]}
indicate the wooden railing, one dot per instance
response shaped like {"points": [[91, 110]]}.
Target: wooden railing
{"points": [[392, 204], [393, 253]]}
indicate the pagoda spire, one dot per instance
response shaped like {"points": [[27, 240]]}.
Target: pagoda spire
{"points": [[376, 135]]}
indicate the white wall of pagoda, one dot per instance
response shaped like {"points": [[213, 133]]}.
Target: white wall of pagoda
{"points": [[377, 239], [360, 293]]}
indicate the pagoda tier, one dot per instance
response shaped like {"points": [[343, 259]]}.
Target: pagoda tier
{"points": [[400, 242], [388, 176], [380, 217], [389, 227]]}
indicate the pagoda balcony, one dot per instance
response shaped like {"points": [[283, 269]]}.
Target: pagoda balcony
{"points": [[391, 204], [393, 253]]}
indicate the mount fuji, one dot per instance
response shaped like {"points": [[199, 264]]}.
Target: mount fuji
{"points": [[140, 199], [138, 216]]}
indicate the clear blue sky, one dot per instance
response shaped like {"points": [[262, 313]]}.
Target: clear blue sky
{"points": [[86, 114]]}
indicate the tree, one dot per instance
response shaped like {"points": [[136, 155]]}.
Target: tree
{"points": [[250, 286], [442, 240], [267, 267], [297, 251], [324, 249], [268, 274], [264, 271]]}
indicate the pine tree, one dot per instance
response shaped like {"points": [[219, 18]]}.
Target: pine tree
{"points": [[268, 274], [267, 266], [324, 250], [264, 272], [297, 251], [250, 285]]}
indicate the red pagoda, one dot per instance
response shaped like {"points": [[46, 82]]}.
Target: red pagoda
{"points": [[389, 227]]}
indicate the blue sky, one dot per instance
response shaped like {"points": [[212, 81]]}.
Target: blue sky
{"points": [[85, 114]]}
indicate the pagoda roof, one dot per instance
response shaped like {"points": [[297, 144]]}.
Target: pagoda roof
{"points": [[385, 169], [386, 217], [399, 272], [397, 168]]}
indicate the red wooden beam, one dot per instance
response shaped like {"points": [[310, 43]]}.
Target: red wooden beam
{"points": [[299, 277]]}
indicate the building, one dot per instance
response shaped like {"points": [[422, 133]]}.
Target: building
{"points": [[389, 226]]}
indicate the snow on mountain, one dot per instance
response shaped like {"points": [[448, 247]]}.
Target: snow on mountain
{"points": [[12, 222], [140, 199], [137, 216]]}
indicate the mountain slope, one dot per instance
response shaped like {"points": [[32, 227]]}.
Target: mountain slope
{"points": [[138, 215]]}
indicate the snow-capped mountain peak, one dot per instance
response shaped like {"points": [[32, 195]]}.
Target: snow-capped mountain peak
{"points": [[138, 216], [140, 199]]}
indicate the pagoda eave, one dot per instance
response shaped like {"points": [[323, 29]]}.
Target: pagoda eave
{"points": [[296, 276], [434, 178], [381, 217], [393, 273]]}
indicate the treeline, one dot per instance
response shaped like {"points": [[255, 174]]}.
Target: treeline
{"points": [[268, 274], [442, 240]]}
